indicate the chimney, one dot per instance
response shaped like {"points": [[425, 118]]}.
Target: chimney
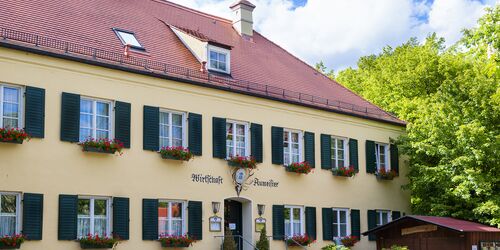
{"points": [[242, 17]]}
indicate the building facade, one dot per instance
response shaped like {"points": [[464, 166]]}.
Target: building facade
{"points": [[62, 93]]}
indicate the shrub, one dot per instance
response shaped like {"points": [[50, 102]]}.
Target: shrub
{"points": [[228, 243], [263, 243]]}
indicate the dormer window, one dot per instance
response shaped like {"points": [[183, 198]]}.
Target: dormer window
{"points": [[127, 37], [218, 59]]}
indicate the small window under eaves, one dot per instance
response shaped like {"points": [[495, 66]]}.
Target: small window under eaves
{"points": [[127, 37]]}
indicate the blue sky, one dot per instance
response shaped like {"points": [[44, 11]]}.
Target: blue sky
{"points": [[338, 32]]}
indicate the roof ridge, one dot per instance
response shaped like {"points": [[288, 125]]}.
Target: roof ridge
{"points": [[204, 14], [333, 81]]}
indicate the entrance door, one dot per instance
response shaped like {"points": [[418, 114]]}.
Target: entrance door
{"points": [[233, 220]]}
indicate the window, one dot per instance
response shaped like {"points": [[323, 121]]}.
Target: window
{"points": [[339, 152], [128, 38], [292, 147], [94, 215], [340, 224], [382, 156], [237, 138], [383, 217], [172, 129], [10, 106], [95, 119], [218, 59], [10, 223], [171, 218], [294, 221]]}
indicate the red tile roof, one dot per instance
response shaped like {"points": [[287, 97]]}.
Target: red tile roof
{"points": [[257, 61]]}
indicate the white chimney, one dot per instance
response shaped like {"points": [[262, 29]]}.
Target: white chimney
{"points": [[242, 17]]}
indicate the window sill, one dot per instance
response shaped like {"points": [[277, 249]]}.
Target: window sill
{"points": [[98, 150], [11, 142]]}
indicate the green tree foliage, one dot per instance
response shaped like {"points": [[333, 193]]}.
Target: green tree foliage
{"points": [[229, 243], [324, 70], [450, 98], [263, 243]]}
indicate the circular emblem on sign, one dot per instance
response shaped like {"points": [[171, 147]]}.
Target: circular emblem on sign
{"points": [[240, 175]]}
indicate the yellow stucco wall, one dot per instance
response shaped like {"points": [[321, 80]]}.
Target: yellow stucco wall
{"points": [[53, 167]]}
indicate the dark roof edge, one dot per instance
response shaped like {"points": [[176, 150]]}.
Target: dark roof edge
{"points": [[178, 79], [408, 217]]}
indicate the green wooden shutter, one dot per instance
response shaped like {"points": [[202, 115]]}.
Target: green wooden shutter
{"points": [[311, 222], [195, 219], [121, 217], [151, 128], [277, 145], [122, 123], [355, 223], [371, 163], [67, 225], [70, 117], [256, 141], [327, 216], [219, 137], [33, 216], [309, 150], [353, 154], [396, 215], [372, 223], [195, 134], [394, 158], [278, 222], [326, 152], [34, 119], [149, 219]]}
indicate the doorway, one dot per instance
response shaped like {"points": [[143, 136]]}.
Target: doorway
{"points": [[238, 218]]}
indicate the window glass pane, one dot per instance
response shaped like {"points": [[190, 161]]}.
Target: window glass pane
{"points": [[103, 122], [295, 137], [343, 230], [213, 55], [164, 118], [11, 95], [86, 106], [335, 216], [222, 58], [9, 204], [103, 108], [240, 129], [10, 110], [101, 134], [177, 143], [100, 226], [296, 214], [83, 226], [83, 207], [86, 121], [343, 216], [177, 119], [85, 134], [176, 210], [340, 144], [164, 130], [176, 227], [222, 66], [164, 142], [7, 225], [285, 136], [336, 230], [162, 217], [10, 123], [177, 132], [100, 207], [129, 38], [288, 229]]}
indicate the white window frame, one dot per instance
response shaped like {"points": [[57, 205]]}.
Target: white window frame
{"points": [[92, 213], [122, 40], [380, 215], [247, 137], [184, 126], [302, 222], [20, 123], [334, 157], [301, 145], [169, 218], [348, 223], [386, 156], [94, 116], [18, 209], [220, 51]]}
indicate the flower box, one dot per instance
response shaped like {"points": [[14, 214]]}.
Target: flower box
{"points": [[11, 242], [299, 168], [349, 241], [383, 174], [13, 135], [96, 242], [104, 146], [299, 241], [176, 153], [242, 162], [175, 241], [344, 171]]}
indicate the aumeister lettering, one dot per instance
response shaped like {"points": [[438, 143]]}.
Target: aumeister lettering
{"points": [[208, 179], [269, 183]]}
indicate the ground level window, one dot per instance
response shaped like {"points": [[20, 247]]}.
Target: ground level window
{"points": [[237, 138], [94, 215], [292, 147], [294, 221], [383, 217], [382, 156], [340, 223], [171, 218], [10, 214], [10, 106], [172, 129]]}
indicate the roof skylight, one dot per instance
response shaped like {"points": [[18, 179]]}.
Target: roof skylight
{"points": [[129, 38]]}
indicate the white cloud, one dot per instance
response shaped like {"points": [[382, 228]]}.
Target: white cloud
{"points": [[340, 31]]}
